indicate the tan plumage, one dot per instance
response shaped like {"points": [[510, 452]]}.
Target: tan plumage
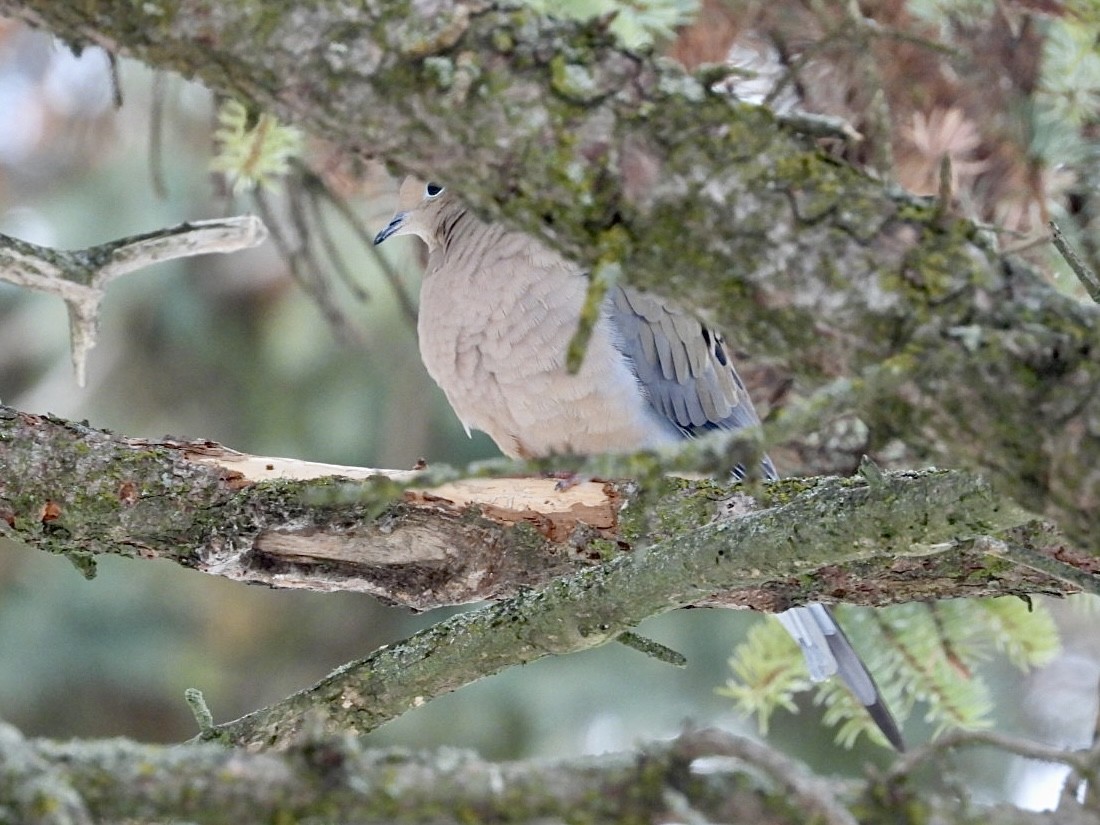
{"points": [[497, 312]]}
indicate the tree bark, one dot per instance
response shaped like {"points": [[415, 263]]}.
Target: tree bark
{"points": [[71, 489]]}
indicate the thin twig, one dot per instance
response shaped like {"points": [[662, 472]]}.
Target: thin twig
{"points": [[201, 711], [116, 81], [156, 136], [1085, 275], [815, 125], [946, 193], [313, 182], [1083, 761], [294, 237], [331, 248], [651, 648], [127, 255]]}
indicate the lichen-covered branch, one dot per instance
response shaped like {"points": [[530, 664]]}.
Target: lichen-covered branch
{"points": [[74, 490], [719, 562], [609, 155], [407, 538], [701, 776]]}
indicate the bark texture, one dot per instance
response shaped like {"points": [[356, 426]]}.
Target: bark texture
{"points": [[71, 489]]}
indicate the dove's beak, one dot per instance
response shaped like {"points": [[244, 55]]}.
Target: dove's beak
{"points": [[391, 228]]}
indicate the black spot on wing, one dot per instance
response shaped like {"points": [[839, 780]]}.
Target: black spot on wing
{"points": [[720, 353]]}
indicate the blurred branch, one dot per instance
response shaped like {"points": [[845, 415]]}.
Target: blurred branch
{"points": [[305, 240], [156, 135], [320, 192], [294, 238], [818, 799], [80, 277], [701, 776], [31, 784], [1085, 762]]}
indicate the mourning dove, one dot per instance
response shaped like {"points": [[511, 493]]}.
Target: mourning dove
{"points": [[497, 311]]}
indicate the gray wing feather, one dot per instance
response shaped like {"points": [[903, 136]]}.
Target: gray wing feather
{"points": [[683, 367], [828, 652], [854, 673], [820, 638]]}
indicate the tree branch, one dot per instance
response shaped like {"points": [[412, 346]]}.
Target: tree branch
{"points": [[615, 157], [430, 539], [722, 562]]}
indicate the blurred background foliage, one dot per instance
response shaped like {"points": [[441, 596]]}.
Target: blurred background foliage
{"points": [[305, 348]]}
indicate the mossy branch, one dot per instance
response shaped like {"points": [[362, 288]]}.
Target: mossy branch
{"points": [[908, 516], [431, 539], [79, 491]]}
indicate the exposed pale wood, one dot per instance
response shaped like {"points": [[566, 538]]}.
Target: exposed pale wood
{"points": [[254, 468]]}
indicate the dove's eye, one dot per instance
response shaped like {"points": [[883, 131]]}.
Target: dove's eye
{"points": [[432, 190]]}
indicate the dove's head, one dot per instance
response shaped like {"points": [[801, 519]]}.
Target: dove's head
{"points": [[421, 209]]}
